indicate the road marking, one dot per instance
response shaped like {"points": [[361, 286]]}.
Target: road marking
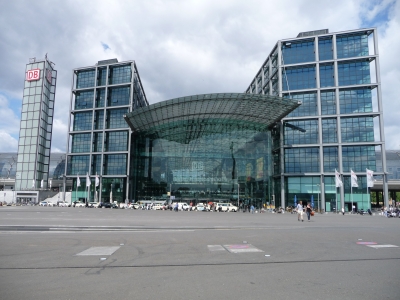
{"points": [[240, 248], [366, 243], [216, 248], [382, 246], [99, 251]]}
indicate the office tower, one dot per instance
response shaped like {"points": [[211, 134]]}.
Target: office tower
{"points": [[339, 124], [99, 139]]}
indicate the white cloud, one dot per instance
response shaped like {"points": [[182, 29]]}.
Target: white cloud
{"points": [[8, 143], [180, 47], [9, 121]]}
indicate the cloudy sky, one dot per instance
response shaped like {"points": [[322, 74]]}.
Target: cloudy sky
{"points": [[181, 47]]}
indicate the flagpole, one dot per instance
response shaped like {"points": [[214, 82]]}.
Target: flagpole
{"points": [[351, 189], [76, 192]]}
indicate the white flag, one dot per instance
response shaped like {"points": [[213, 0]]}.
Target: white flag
{"points": [[33, 183], [353, 179], [370, 178], [78, 182], [97, 180], [338, 182], [88, 183], [41, 184], [50, 182]]}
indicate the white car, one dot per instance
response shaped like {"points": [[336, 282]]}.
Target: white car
{"points": [[225, 207], [201, 207], [158, 206], [51, 204], [63, 204], [183, 206], [93, 204], [133, 206], [43, 203], [80, 204]]}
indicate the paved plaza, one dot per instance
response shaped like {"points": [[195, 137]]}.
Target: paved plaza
{"points": [[82, 253]]}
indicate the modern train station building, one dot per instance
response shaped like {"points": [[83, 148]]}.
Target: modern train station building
{"points": [[314, 106]]}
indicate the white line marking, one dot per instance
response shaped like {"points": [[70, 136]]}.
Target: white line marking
{"points": [[382, 246], [99, 251]]}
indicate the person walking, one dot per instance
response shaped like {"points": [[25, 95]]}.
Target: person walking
{"points": [[308, 212], [252, 209], [299, 208]]}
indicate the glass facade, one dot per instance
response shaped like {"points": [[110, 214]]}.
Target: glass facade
{"points": [[206, 169], [36, 126], [336, 126], [101, 96], [206, 148]]}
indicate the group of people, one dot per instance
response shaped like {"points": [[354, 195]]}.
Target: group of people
{"points": [[300, 211]]}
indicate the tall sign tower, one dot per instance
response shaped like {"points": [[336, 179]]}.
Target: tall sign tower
{"points": [[36, 127]]}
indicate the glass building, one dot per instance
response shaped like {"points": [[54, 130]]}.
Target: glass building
{"points": [[99, 139], [202, 148], [36, 125], [339, 124]]}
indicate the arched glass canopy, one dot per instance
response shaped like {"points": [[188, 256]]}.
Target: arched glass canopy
{"points": [[206, 148], [187, 118]]}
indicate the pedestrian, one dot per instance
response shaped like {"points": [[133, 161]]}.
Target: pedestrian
{"points": [[252, 209], [343, 211], [300, 211], [308, 212]]}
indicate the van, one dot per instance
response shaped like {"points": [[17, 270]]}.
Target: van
{"points": [[225, 207]]}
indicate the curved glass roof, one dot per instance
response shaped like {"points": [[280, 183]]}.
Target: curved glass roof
{"points": [[188, 118]]}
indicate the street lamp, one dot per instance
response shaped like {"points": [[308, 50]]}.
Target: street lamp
{"points": [[238, 194], [319, 190]]}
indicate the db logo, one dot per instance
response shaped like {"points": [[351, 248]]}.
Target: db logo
{"points": [[33, 75]]}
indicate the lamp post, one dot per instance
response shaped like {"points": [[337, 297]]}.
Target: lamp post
{"points": [[238, 194], [319, 190]]}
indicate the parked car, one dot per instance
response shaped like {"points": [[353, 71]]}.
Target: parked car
{"points": [[107, 205], [80, 204], [51, 204], [225, 207], [201, 207], [43, 203], [133, 206], [63, 204], [93, 204], [183, 206]]}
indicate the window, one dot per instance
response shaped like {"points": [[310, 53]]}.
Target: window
{"points": [[101, 76], [329, 131], [78, 164], [115, 164], [298, 51], [357, 129], [328, 103], [308, 106], [116, 141], [355, 72], [352, 45], [115, 118], [83, 121], [358, 158], [80, 142], [120, 74], [298, 78], [301, 132], [300, 160], [331, 160], [118, 96], [326, 75], [84, 100], [355, 100], [325, 48], [85, 79]]}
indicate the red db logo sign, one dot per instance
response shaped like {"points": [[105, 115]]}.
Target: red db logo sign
{"points": [[33, 75]]}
